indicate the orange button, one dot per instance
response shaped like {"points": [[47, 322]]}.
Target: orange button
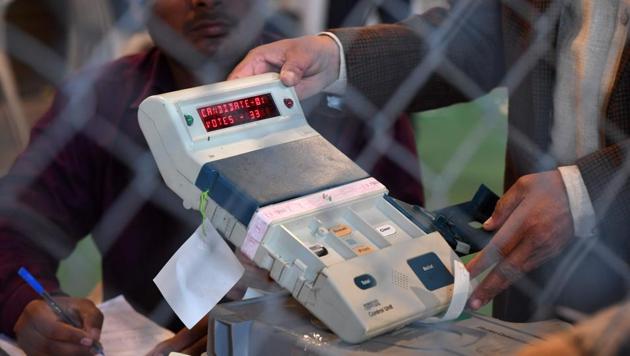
{"points": [[363, 250], [341, 230]]}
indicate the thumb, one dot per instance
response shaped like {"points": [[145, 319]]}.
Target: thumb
{"points": [[504, 208], [291, 73], [299, 60]]}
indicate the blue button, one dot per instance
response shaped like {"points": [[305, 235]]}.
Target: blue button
{"points": [[365, 281], [431, 272]]}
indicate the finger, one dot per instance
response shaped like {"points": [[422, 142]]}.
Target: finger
{"points": [[91, 318], [252, 64], [291, 73], [60, 331], [508, 271], [64, 348], [502, 243], [183, 339], [264, 59], [42, 344], [505, 206], [197, 348], [307, 58]]}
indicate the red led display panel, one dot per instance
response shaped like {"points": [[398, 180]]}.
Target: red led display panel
{"points": [[238, 112]]}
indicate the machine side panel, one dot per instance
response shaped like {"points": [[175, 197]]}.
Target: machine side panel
{"points": [[381, 291]]}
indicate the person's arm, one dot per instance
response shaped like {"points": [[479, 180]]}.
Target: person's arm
{"points": [[45, 209], [432, 60], [381, 58], [535, 219], [606, 174]]}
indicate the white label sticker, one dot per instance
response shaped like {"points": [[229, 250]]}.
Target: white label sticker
{"points": [[181, 280], [386, 230]]}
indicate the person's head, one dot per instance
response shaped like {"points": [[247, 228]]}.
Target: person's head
{"points": [[221, 30]]}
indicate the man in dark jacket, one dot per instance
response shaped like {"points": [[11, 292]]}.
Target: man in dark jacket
{"points": [[566, 66], [88, 170]]}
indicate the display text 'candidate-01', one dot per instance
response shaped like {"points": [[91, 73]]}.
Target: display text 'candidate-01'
{"points": [[238, 112]]}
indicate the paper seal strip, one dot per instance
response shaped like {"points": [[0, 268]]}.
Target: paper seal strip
{"points": [[461, 287]]}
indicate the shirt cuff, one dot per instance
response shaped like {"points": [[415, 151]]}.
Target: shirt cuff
{"points": [[338, 87], [16, 303], [582, 212]]}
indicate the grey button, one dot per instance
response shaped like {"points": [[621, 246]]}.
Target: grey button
{"points": [[625, 17]]}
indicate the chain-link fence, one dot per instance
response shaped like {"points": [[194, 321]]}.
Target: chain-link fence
{"points": [[557, 75]]}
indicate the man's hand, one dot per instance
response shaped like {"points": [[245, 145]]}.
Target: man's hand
{"points": [[40, 332], [188, 341], [533, 223], [309, 63]]}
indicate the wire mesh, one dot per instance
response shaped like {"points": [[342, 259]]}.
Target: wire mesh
{"points": [[99, 178]]}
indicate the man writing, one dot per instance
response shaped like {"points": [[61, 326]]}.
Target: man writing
{"points": [[88, 170], [562, 222]]}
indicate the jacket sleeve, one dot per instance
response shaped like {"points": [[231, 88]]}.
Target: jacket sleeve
{"points": [[45, 206], [606, 174], [436, 59]]}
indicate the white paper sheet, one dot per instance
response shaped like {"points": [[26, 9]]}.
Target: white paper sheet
{"points": [[198, 275], [125, 332]]}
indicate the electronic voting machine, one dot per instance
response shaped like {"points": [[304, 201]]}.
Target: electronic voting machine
{"points": [[299, 208]]}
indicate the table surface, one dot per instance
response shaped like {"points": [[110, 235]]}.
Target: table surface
{"points": [[277, 324]]}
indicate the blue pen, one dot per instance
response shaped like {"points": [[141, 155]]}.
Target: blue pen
{"points": [[37, 287]]}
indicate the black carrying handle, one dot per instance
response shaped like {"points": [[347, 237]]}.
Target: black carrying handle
{"points": [[455, 222], [459, 218]]}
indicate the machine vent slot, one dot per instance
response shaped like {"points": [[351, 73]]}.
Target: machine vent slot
{"points": [[400, 279]]}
